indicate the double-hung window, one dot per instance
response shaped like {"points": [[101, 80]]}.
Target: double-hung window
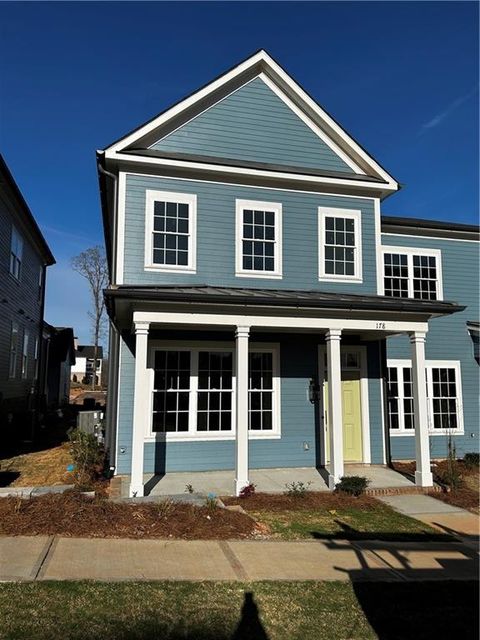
{"points": [[12, 368], [25, 363], [170, 231], [16, 252], [444, 397], [340, 244], [258, 239], [193, 393], [412, 273]]}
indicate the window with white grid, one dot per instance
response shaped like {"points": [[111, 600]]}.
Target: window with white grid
{"points": [[444, 398], [170, 231], [412, 273], [171, 391], [339, 244], [260, 391], [214, 396], [259, 239]]}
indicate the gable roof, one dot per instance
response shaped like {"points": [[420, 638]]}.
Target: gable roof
{"points": [[260, 64], [88, 351]]}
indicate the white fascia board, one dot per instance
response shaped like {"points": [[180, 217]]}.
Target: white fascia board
{"points": [[243, 171]]}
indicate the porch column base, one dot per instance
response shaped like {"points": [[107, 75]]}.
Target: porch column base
{"points": [[332, 481], [424, 478], [239, 485], [136, 491]]}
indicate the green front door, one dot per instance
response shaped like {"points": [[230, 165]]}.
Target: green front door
{"points": [[352, 417]]}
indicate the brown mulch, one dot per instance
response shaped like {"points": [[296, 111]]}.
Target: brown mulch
{"points": [[311, 500], [74, 515]]}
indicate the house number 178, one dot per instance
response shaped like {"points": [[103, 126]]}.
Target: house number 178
{"points": [[380, 325]]}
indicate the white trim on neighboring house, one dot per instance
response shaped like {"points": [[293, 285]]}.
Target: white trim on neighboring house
{"points": [[364, 398], [347, 214], [410, 252], [264, 63], [213, 436], [240, 207], [378, 245], [152, 196], [428, 237], [401, 363], [120, 240]]}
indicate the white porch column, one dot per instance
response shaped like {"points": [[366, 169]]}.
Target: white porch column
{"points": [[241, 400], [140, 407], [423, 475], [335, 415]]}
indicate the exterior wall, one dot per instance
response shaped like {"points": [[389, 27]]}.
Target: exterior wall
{"points": [[299, 417], [216, 236], [447, 338], [20, 303], [253, 123]]}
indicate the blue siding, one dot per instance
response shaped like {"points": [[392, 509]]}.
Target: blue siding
{"points": [[375, 403], [253, 123], [447, 338], [216, 235]]}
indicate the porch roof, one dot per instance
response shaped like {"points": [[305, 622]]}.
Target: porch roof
{"points": [[305, 299]]}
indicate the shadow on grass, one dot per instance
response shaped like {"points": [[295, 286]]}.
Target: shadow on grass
{"points": [[350, 533]]}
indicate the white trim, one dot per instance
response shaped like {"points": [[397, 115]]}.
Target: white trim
{"points": [[268, 65], [276, 207], [378, 246], [399, 364], [364, 397], [247, 186], [410, 252], [350, 214], [201, 436], [120, 239], [152, 196], [427, 237]]}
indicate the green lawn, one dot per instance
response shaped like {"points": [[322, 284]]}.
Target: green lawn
{"points": [[221, 611]]}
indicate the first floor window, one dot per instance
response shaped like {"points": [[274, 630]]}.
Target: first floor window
{"points": [[12, 369], [194, 391], [259, 235], [443, 397], [25, 355], [339, 243], [412, 274]]}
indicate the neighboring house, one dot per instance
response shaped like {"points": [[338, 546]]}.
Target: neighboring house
{"points": [[24, 257], [59, 358], [82, 370], [263, 313]]}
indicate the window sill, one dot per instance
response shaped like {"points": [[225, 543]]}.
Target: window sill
{"points": [[211, 438], [332, 278], [169, 269], [270, 275], [431, 432]]}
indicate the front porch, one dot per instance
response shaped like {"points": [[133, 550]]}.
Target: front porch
{"points": [[221, 483]]}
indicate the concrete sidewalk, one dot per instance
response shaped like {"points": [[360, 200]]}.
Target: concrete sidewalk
{"points": [[44, 558]]}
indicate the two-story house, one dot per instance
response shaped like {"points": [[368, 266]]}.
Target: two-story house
{"points": [[263, 313], [24, 257]]}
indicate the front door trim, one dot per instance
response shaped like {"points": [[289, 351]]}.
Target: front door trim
{"points": [[364, 400]]}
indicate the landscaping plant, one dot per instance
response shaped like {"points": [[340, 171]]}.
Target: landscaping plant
{"points": [[247, 491], [88, 458], [297, 489], [453, 475], [353, 485], [471, 460]]}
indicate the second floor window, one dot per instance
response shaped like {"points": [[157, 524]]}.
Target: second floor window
{"points": [[339, 244], [259, 239], [16, 251], [412, 273], [170, 231]]}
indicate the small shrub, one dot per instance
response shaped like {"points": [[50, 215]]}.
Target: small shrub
{"points": [[247, 491], [211, 502], [471, 460], [353, 485], [452, 476], [189, 488], [165, 508], [88, 457], [297, 489]]}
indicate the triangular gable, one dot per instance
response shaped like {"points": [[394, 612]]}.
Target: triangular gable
{"points": [[259, 67], [254, 123]]}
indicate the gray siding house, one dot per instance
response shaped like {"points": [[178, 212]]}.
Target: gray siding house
{"points": [[263, 313], [24, 257]]}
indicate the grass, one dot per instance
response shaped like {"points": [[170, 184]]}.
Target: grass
{"points": [[48, 467], [221, 611]]}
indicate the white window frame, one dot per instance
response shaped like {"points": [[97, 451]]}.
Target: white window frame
{"points": [[13, 352], [192, 435], [152, 196], [429, 365], [410, 252], [16, 253], [276, 207], [350, 214], [25, 359]]}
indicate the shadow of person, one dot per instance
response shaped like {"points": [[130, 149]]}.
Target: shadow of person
{"points": [[249, 626]]}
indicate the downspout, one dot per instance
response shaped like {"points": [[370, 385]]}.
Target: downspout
{"points": [[383, 375], [41, 373]]}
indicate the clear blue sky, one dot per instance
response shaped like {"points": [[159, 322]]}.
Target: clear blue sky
{"points": [[402, 78]]}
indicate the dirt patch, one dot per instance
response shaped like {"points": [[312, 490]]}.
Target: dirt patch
{"points": [[311, 500], [74, 515], [39, 468]]}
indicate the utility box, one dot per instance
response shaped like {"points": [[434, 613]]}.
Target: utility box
{"points": [[91, 422]]}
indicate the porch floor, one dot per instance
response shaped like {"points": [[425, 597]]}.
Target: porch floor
{"points": [[266, 480]]}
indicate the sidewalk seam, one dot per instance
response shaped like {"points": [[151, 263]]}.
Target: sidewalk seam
{"points": [[40, 568], [233, 561], [383, 563]]}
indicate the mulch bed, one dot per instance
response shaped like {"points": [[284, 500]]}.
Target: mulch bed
{"points": [[71, 514], [311, 500]]}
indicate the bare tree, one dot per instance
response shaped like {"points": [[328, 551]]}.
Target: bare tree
{"points": [[92, 265]]}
